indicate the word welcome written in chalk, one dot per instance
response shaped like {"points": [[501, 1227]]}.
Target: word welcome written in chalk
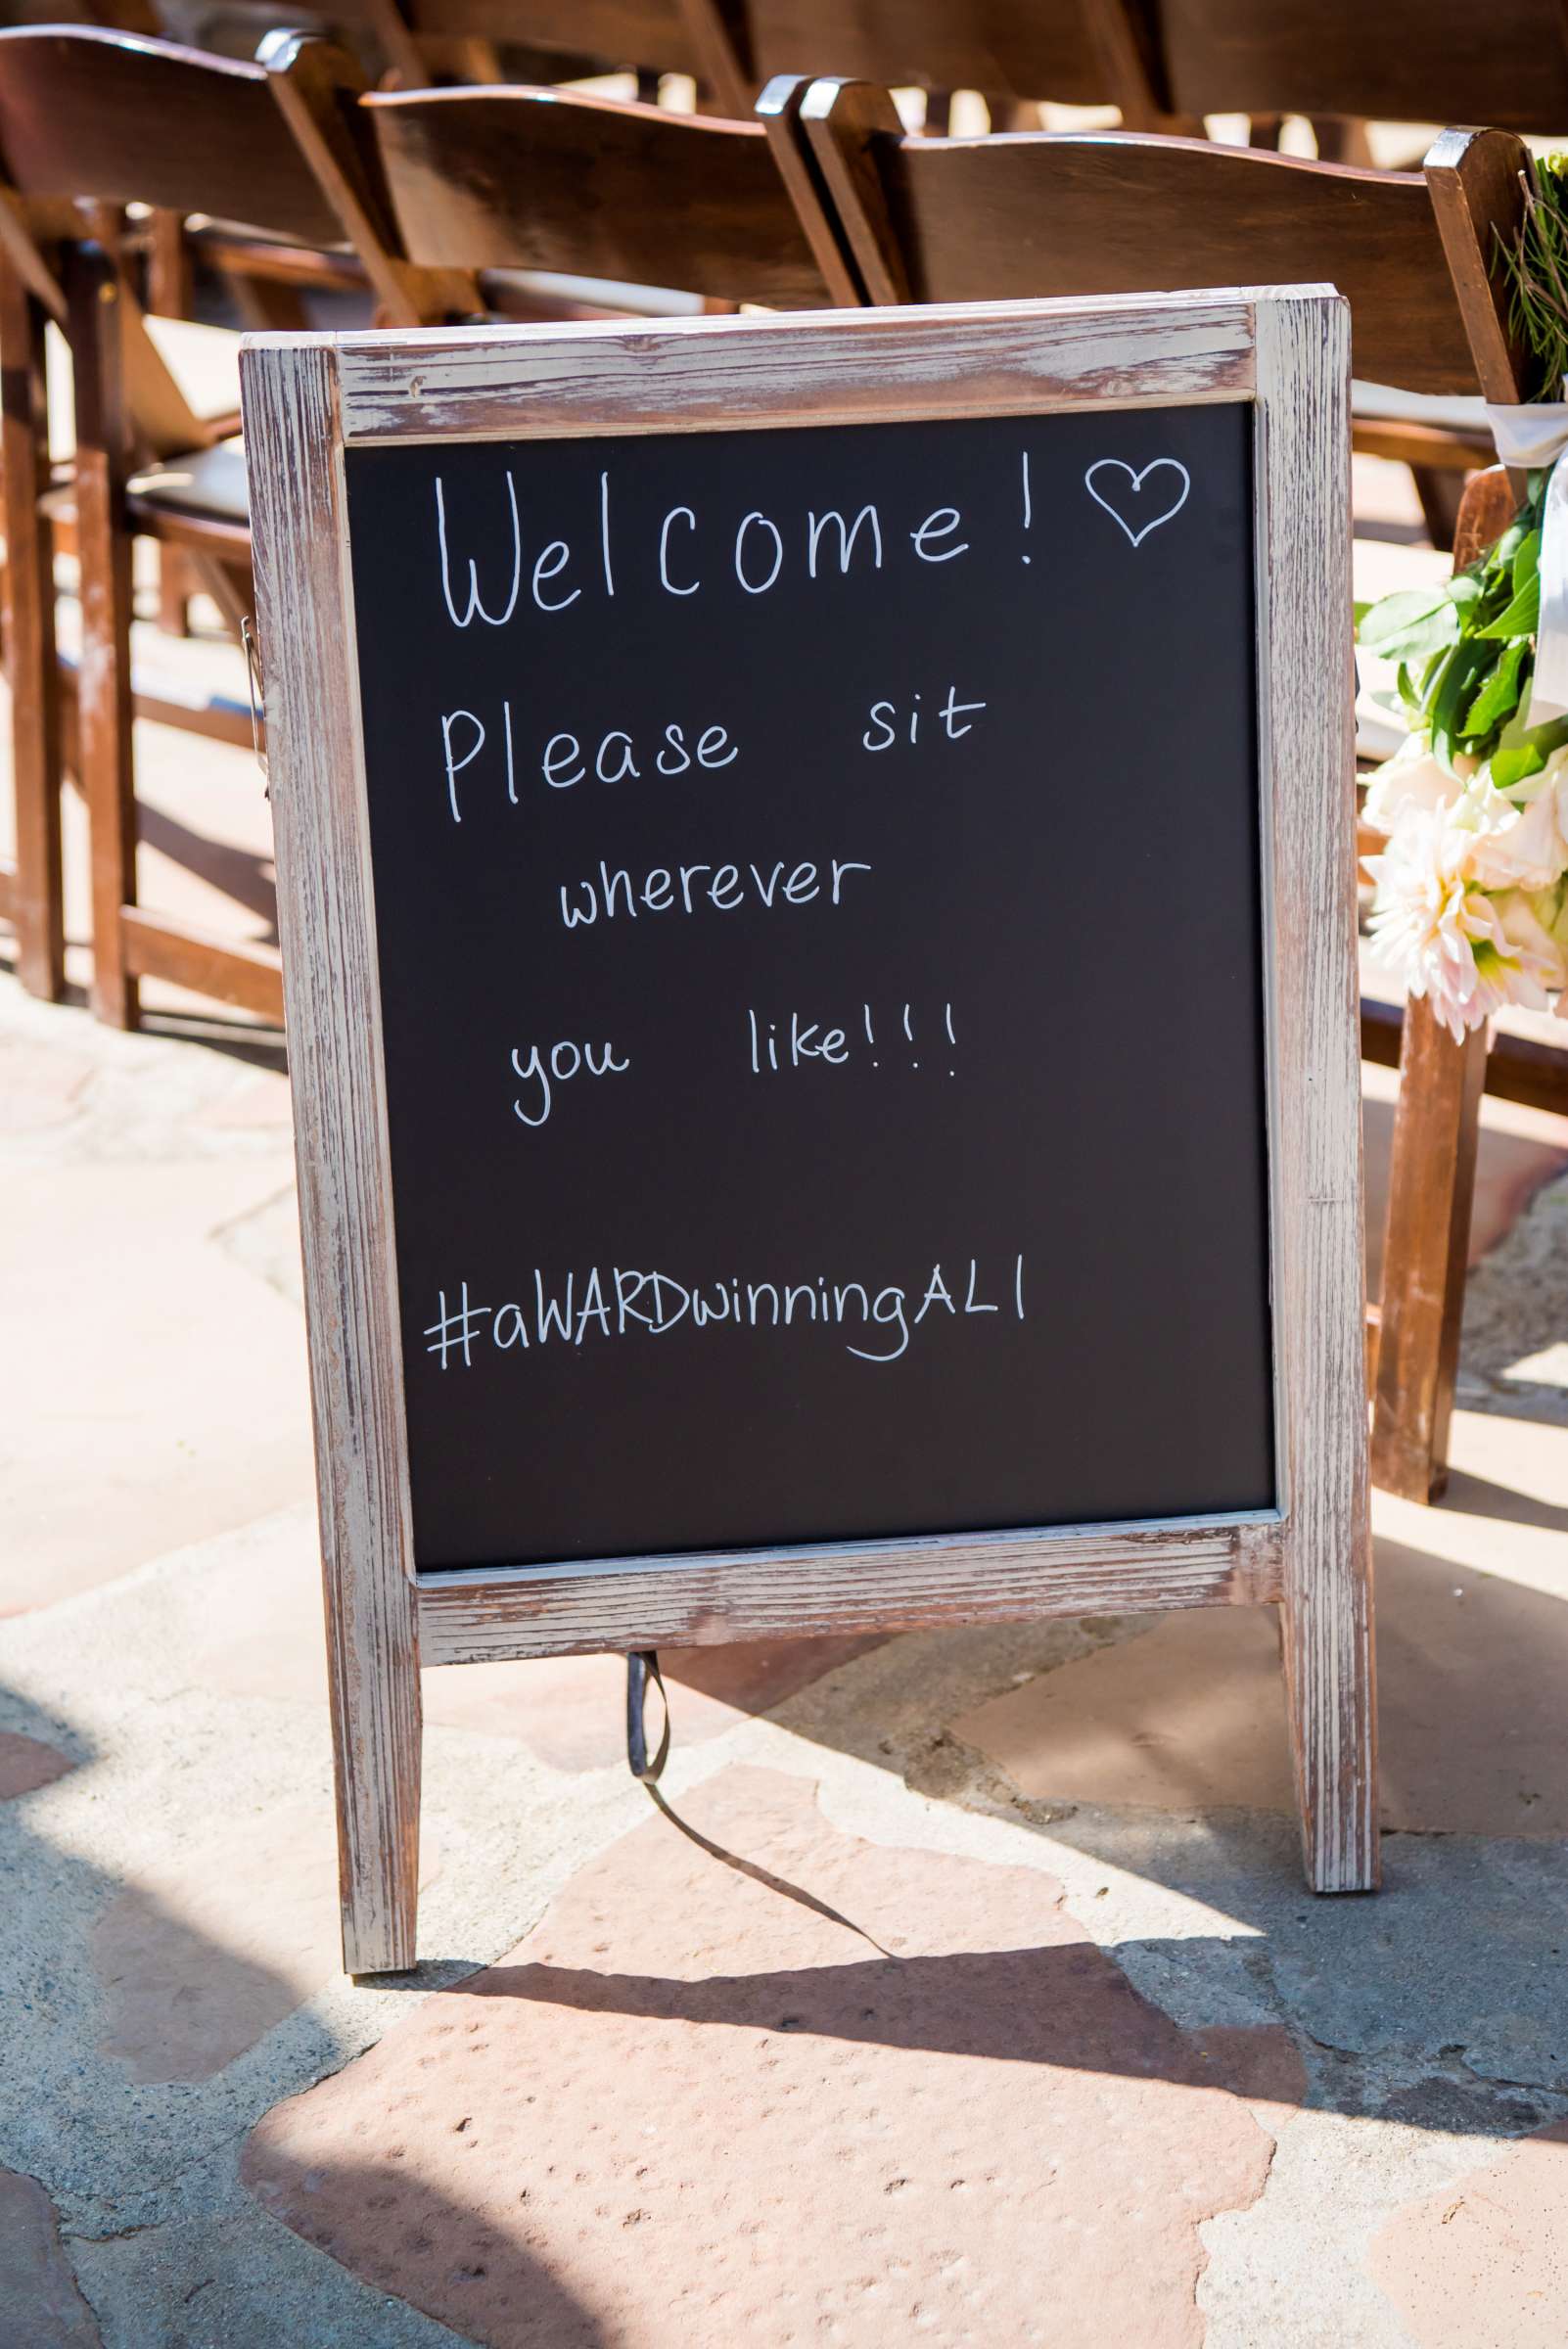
{"points": [[755, 550], [622, 1302], [677, 560]]}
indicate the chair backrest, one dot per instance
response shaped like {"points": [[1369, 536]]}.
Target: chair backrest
{"points": [[1039, 214], [1409, 61], [1079, 52], [515, 178], [654, 34], [113, 118], [1076, 51]]}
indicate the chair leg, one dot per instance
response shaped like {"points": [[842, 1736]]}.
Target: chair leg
{"points": [[104, 694], [175, 591], [168, 266], [1437, 1125], [27, 618]]}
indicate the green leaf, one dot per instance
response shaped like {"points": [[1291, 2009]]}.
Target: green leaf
{"points": [[1512, 767], [1466, 664], [1526, 562], [1524, 750], [1463, 589], [1359, 613], [1499, 696], [1522, 616], [1417, 620]]}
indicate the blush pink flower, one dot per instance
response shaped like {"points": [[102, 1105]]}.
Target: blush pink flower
{"points": [[1520, 838], [1541, 954], [1445, 936], [1413, 778]]}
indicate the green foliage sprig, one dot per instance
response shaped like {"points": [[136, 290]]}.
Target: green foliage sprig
{"points": [[1536, 265], [1466, 650], [1465, 654]]}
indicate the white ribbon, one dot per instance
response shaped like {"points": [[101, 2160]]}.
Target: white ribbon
{"points": [[1530, 439]]}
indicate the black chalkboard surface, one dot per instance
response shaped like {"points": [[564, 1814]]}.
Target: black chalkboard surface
{"points": [[818, 902]]}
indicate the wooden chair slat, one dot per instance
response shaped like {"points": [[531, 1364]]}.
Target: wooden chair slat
{"points": [[1415, 61], [1079, 52], [96, 114], [1037, 51], [520, 179], [651, 33], [1473, 176], [987, 219]]}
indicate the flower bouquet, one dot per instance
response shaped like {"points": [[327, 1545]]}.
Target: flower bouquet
{"points": [[1471, 901]]}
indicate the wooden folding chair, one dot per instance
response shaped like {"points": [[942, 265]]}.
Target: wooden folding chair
{"points": [[43, 700], [1107, 213], [414, 45], [489, 41], [1419, 62], [108, 120], [1015, 52], [1003, 217], [1076, 52], [1474, 177], [491, 180], [32, 887]]}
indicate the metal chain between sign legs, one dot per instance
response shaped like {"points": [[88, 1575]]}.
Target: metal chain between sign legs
{"points": [[642, 1666]]}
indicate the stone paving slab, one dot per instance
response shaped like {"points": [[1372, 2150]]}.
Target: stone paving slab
{"points": [[172, 1350], [1514, 1347], [1472, 1666], [28, 1762], [533, 2158], [1507, 2224], [163, 1384], [40, 2305]]}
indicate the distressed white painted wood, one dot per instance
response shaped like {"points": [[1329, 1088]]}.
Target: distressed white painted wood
{"points": [[1308, 762], [305, 397], [831, 367], [326, 921], [768, 1594]]}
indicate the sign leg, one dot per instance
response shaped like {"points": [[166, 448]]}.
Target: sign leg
{"points": [[1331, 1698], [373, 1667]]}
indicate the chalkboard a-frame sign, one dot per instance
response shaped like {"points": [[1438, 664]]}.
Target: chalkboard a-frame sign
{"points": [[816, 894]]}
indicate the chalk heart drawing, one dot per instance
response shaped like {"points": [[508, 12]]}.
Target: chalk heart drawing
{"points": [[1122, 494]]}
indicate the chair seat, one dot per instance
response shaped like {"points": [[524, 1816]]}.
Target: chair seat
{"points": [[1380, 403], [203, 360], [208, 483]]}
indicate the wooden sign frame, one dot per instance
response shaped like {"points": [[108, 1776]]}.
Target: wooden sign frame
{"points": [[309, 397]]}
